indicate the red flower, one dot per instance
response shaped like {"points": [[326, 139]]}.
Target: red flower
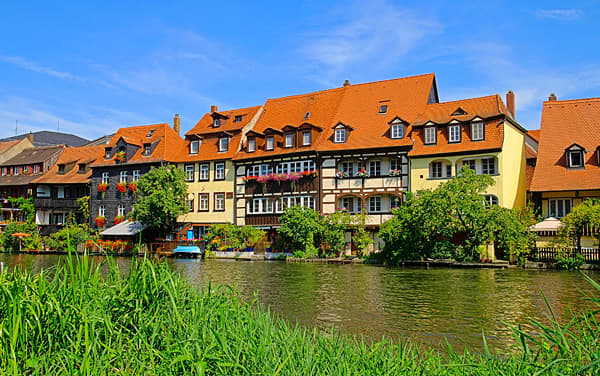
{"points": [[100, 221], [102, 187], [133, 187], [118, 219], [122, 187]]}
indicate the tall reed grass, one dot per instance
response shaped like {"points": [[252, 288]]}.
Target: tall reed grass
{"points": [[86, 318]]}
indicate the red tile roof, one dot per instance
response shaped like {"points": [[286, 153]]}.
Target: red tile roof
{"points": [[535, 134], [71, 158], [490, 108], [169, 144], [563, 124], [4, 146]]}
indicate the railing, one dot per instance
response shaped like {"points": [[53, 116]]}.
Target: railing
{"points": [[56, 203], [548, 254]]}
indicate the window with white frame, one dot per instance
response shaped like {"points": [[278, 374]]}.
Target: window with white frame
{"points": [[60, 192], [351, 204], [251, 145], [290, 201], [260, 206], [16, 171], [470, 163], [136, 175], [107, 153], [105, 178], [194, 146], [306, 138], [216, 122], [454, 133], [204, 171], [558, 208], [189, 172], [348, 167], [220, 171], [36, 169], [440, 170], [374, 204], [374, 168], [3, 171], [219, 201], [296, 166], [289, 140], [430, 135], [339, 135], [121, 210], [223, 144], [488, 166], [101, 211], [270, 143], [575, 158], [123, 177], [203, 201], [490, 200], [397, 130], [258, 170], [477, 130]]}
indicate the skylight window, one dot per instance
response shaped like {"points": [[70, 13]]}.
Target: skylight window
{"points": [[150, 133], [306, 115], [383, 109]]}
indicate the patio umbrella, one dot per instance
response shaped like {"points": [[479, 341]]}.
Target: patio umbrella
{"points": [[20, 235]]}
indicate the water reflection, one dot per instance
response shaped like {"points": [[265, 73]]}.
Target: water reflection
{"points": [[424, 304]]}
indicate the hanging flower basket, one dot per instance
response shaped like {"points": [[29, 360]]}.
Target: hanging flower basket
{"points": [[133, 187], [122, 187], [99, 221], [102, 188], [120, 156], [118, 219]]}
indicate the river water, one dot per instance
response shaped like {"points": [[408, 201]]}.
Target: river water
{"points": [[426, 305]]}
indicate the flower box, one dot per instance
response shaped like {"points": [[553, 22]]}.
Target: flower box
{"points": [[341, 174], [363, 174], [122, 187], [102, 187], [118, 219], [120, 156], [395, 172], [99, 221], [133, 187]]}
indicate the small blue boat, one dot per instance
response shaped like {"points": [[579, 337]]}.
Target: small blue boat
{"points": [[188, 251]]}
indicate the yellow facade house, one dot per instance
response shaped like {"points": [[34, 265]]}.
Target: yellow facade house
{"points": [[480, 133], [211, 144]]}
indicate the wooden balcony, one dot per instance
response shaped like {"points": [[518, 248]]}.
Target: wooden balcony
{"points": [[302, 185], [51, 203], [262, 219]]}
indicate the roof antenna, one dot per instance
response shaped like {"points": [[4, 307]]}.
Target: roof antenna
{"points": [[58, 124], [16, 127]]}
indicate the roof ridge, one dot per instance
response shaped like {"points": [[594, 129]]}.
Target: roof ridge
{"points": [[463, 100], [566, 101]]}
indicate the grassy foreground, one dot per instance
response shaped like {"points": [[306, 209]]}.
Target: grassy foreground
{"points": [[77, 321]]}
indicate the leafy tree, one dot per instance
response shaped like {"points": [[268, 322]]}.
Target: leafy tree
{"points": [[162, 193], [301, 229], [72, 233], [222, 236], [510, 228], [248, 236], [84, 207], [27, 209], [11, 243], [584, 215], [334, 229]]}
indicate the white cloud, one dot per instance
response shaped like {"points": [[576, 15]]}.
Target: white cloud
{"points": [[559, 14], [377, 32], [24, 63]]}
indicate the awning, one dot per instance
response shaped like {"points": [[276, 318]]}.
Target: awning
{"points": [[126, 228], [549, 224]]}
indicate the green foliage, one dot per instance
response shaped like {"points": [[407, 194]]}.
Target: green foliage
{"points": [[249, 236], [11, 243], [161, 199], [84, 207], [73, 233], [360, 237], [222, 236], [586, 214], [91, 319], [334, 227], [452, 221], [569, 262], [27, 211], [301, 229]]}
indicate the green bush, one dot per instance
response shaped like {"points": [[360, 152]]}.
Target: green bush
{"points": [[569, 262], [74, 233], [11, 243]]}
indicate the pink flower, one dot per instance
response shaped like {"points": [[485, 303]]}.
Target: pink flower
{"points": [[283, 177], [263, 178], [294, 176], [273, 177]]}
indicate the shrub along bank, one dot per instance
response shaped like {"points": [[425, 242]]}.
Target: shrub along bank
{"points": [[81, 319]]}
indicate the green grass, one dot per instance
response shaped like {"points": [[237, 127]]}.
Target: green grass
{"points": [[82, 318]]}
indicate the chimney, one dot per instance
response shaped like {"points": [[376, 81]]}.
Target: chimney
{"points": [[213, 108], [510, 103], [176, 123], [347, 83], [30, 137], [552, 97]]}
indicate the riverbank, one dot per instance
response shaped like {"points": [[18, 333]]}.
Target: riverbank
{"points": [[153, 321]]}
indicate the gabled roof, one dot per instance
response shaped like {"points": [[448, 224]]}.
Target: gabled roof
{"points": [[205, 125], [4, 146], [168, 144], [563, 124], [49, 138], [534, 133], [34, 155], [490, 109], [71, 158]]}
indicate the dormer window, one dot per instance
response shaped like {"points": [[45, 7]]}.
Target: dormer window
{"points": [[147, 149], [107, 153], [306, 115], [339, 135], [61, 168], [81, 167], [383, 109], [477, 130], [251, 145], [430, 135], [289, 140], [216, 123], [270, 143], [454, 133], [306, 138], [397, 130], [194, 146], [223, 144], [237, 119], [575, 158]]}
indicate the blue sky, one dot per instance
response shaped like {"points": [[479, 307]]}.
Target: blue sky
{"points": [[93, 69]]}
